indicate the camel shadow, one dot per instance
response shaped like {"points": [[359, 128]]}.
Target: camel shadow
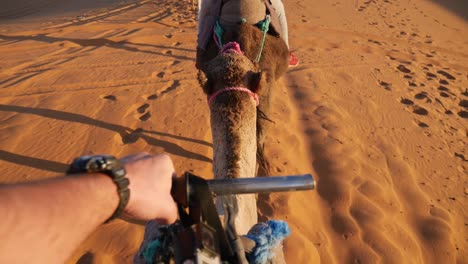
{"points": [[47, 165], [102, 42], [128, 135], [458, 7]]}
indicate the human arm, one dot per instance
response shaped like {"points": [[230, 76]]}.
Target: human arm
{"points": [[45, 221]]}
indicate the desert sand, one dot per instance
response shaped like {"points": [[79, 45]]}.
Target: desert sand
{"points": [[377, 111]]}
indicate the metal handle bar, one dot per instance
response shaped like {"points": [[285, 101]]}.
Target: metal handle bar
{"points": [[262, 184]]}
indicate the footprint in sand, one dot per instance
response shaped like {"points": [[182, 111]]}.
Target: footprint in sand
{"points": [[463, 114], [406, 101], [443, 81], [420, 110], [142, 108], [431, 75], [464, 104], [422, 124], [386, 85], [462, 157], [160, 75], [407, 76], [446, 75], [110, 97], [145, 116], [403, 69], [445, 91], [429, 55], [168, 36], [443, 88], [173, 86], [152, 97], [444, 94], [374, 41], [420, 96]]}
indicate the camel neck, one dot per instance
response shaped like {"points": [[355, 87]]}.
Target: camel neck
{"points": [[234, 151]]}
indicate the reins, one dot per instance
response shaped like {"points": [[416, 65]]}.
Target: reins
{"points": [[263, 25]]}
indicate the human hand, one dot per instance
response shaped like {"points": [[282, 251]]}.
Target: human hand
{"points": [[150, 179]]}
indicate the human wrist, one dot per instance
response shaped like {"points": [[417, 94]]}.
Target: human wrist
{"points": [[110, 167], [101, 191]]}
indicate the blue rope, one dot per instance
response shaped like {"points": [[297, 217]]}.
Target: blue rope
{"points": [[271, 234], [263, 25], [219, 31]]}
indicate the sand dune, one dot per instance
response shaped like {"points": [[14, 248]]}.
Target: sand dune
{"points": [[377, 111]]}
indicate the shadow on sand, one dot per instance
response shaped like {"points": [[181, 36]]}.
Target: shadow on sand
{"points": [[101, 42], [458, 7], [128, 136], [36, 163]]}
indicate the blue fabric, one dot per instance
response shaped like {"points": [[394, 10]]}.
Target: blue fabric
{"points": [[151, 250], [270, 235], [219, 31]]}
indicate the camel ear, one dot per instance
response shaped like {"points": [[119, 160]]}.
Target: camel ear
{"points": [[204, 82], [255, 81]]}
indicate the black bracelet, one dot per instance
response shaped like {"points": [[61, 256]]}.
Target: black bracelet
{"points": [[110, 166], [118, 177]]}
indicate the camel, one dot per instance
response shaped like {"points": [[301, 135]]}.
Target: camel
{"points": [[235, 83]]}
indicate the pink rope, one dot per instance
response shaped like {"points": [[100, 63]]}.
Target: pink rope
{"points": [[227, 89]]}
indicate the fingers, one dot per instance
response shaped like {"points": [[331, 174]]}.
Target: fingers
{"points": [[150, 179]]}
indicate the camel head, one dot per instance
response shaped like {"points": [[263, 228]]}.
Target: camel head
{"points": [[232, 83]]}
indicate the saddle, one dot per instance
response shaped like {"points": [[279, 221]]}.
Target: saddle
{"points": [[234, 12]]}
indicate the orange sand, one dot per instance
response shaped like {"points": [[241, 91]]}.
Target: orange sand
{"points": [[377, 111]]}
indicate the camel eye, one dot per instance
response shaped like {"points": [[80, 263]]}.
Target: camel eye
{"points": [[205, 82], [254, 81]]}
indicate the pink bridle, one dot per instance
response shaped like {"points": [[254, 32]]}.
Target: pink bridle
{"points": [[228, 89], [232, 47]]}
